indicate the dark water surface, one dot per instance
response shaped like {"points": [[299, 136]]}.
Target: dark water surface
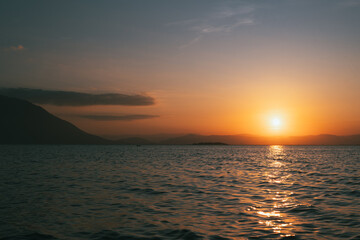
{"points": [[179, 192]]}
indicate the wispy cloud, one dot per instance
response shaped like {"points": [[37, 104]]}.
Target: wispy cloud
{"points": [[131, 117], [14, 48], [225, 27], [222, 20], [227, 12], [191, 42], [68, 98]]}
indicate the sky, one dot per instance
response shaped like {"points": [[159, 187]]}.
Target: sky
{"points": [[129, 67]]}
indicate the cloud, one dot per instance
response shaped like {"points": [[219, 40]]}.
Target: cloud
{"points": [[15, 48], [191, 42], [67, 98], [225, 27], [234, 11], [118, 118], [223, 20]]}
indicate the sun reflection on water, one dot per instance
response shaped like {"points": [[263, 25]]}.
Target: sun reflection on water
{"points": [[271, 211]]}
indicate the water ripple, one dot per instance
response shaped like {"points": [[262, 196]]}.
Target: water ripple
{"points": [[179, 192]]}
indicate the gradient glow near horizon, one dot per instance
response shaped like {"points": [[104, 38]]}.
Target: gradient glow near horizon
{"points": [[213, 67]]}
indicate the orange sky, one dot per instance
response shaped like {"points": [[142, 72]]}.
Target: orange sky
{"points": [[213, 67]]}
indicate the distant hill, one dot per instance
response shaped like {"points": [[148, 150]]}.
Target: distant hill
{"points": [[227, 139], [22, 122], [323, 139], [133, 141], [153, 138]]}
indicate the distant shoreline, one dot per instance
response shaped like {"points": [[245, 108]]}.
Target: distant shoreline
{"points": [[25, 123], [210, 143]]}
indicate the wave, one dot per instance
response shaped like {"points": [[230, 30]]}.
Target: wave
{"points": [[31, 236]]}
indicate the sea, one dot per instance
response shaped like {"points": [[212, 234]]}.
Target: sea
{"points": [[189, 192]]}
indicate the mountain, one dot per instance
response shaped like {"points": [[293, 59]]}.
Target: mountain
{"points": [[153, 138], [243, 139], [22, 122], [133, 141], [323, 139]]}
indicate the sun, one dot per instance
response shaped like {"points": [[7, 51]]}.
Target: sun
{"points": [[276, 123]]}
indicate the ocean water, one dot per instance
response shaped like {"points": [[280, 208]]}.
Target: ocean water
{"points": [[179, 192]]}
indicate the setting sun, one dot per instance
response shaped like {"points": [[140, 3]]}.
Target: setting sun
{"points": [[276, 123], [207, 119]]}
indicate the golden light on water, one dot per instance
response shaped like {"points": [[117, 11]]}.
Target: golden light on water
{"points": [[272, 211], [269, 214]]}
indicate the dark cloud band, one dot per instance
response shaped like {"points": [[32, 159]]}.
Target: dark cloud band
{"points": [[65, 98], [118, 118]]}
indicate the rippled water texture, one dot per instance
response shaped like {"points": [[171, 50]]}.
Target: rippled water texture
{"points": [[179, 192]]}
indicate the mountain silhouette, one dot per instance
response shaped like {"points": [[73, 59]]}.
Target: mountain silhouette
{"points": [[22, 122], [133, 141], [244, 139]]}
